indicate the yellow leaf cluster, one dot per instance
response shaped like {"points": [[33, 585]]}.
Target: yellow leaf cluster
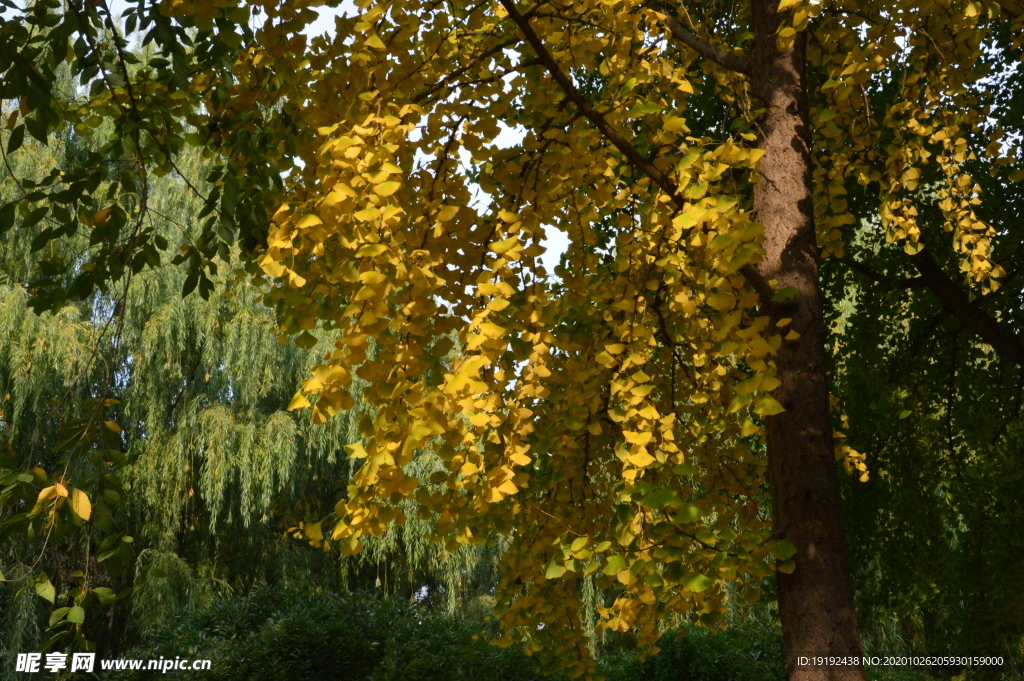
{"points": [[602, 413]]}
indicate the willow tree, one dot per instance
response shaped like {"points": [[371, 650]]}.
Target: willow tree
{"points": [[699, 156], [207, 470]]}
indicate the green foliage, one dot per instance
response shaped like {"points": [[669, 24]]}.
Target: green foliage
{"points": [[744, 653], [935, 533], [132, 85], [209, 467], [274, 634]]}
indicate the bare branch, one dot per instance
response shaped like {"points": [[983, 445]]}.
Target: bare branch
{"points": [[976, 320], [704, 49]]}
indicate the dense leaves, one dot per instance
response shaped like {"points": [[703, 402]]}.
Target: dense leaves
{"points": [[599, 426], [291, 634]]}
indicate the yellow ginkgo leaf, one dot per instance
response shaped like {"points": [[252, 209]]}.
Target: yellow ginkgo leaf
{"points": [[387, 188]]}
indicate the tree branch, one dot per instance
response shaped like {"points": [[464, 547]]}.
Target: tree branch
{"points": [[986, 328], [704, 49], [635, 158], [879, 278]]}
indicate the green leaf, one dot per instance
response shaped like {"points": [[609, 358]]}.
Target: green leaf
{"points": [[654, 579], [644, 109], [37, 127], [721, 241], [783, 549], [697, 583], [659, 498], [905, 413], [191, 280], [554, 570], [76, 615], [105, 595], [687, 161], [616, 564], [784, 294], [305, 340], [16, 140], [44, 588], [688, 514], [48, 644], [57, 615], [7, 216]]}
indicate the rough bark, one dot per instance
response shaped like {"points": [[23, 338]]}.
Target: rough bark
{"points": [[816, 600]]}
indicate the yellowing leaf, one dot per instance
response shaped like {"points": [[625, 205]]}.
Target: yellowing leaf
{"points": [[45, 495], [80, 504], [308, 221], [768, 406], [299, 401], [675, 124], [367, 214], [387, 188], [355, 451], [371, 250], [554, 570], [312, 531], [272, 267], [372, 277], [637, 438], [501, 247], [640, 459], [447, 213], [101, 216]]}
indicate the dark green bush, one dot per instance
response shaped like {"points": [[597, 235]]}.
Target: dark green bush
{"points": [[299, 636], [305, 635], [752, 653]]}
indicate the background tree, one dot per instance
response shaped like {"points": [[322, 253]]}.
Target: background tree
{"points": [[208, 469]]}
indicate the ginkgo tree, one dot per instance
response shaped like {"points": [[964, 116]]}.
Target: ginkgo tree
{"points": [[607, 417]]}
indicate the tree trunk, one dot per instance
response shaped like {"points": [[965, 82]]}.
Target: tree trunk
{"points": [[816, 599]]}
